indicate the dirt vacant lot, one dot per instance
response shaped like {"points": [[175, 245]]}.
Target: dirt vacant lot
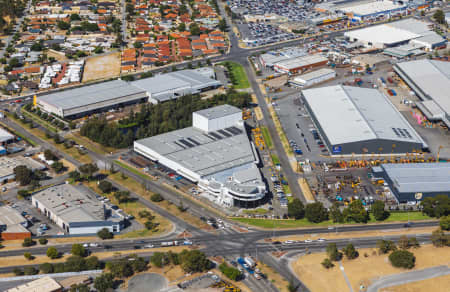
{"points": [[363, 270], [101, 67]]}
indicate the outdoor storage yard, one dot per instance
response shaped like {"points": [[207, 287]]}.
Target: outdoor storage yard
{"points": [[363, 270], [102, 67]]}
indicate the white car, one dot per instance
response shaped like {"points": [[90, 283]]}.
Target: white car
{"points": [[94, 244], [331, 227], [149, 246], [86, 245], [308, 240], [321, 240], [288, 242]]}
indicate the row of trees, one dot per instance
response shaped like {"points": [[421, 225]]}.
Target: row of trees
{"points": [[355, 212], [156, 119], [191, 261]]}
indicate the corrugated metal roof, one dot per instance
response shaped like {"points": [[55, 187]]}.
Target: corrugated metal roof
{"points": [[351, 114], [432, 77], [419, 177], [218, 111], [90, 94]]}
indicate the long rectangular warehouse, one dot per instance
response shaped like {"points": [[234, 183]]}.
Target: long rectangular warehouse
{"points": [[355, 120], [78, 102], [430, 80], [415, 181], [91, 99]]}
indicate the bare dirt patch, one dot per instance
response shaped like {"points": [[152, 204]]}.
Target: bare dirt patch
{"points": [[102, 67]]}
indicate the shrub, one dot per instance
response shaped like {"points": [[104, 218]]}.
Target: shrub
{"points": [[30, 271], [43, 241], [105, 234], [46, 268], [17, 272], [231, 272], [28, 255], [105, 186], [156, 198], [28, 242], [52, 252], [327, 263], [402, 259]]}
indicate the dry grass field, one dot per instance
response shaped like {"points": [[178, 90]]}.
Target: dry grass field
{"points": [[363, 270], [438, 284], [102, 67]]}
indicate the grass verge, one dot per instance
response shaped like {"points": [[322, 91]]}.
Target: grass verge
{"points": [[291, 223], [237, 75], [275, 159], [39, 121], [259, 211], [132, 169], [133, 208], [136, 187], [94, 147], [267, 138]]}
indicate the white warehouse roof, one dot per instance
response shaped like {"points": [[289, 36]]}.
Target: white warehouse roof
{"points": [[5, 135], [351, 114], [381, 34], [371, 7]]}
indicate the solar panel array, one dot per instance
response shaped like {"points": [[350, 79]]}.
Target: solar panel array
{"points": [[218, 135], [402, 133]]}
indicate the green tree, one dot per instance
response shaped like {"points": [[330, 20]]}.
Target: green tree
{"points": [[181, 27], [350, 251], [335, 214], [46, 268], [439, 16], [79, 288], [122, 196], [402, 259], [194, 29], [159, 259], [444, 222], [74, 17], [88, 170], [75, 263], [75, 175], [104, 282], [28, 242], [437, 206], [120, 268], [105, 186], [52, 252], [385, 246], [23, 175], [93, 263], [62, 25], [356, 212], [327, 263], [43, 241], [194, 261], [333, 252], [104, 233], [230, 272], [58, 166], [439, 238], [223, 25], [30, 271], [49, 155], [379, 212], [139, 264], [78, 250], [296, 209], [137, 45], [316, 212], [156, 198], [28, 256]]}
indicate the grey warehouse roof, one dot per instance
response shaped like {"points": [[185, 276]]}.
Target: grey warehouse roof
{"points": [[432, 77], [419, 177], [71, 204], [218, 111], [351, 114], [90, 94], [205, 153], [173, 81]]}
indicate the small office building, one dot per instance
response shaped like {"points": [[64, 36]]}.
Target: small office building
{"points": [[75, 210]]}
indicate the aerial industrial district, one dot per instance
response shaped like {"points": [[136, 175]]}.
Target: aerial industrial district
{"points": [[211, 145]]}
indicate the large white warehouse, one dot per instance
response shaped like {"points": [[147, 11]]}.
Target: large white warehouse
{"points": [[215, 153]]}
